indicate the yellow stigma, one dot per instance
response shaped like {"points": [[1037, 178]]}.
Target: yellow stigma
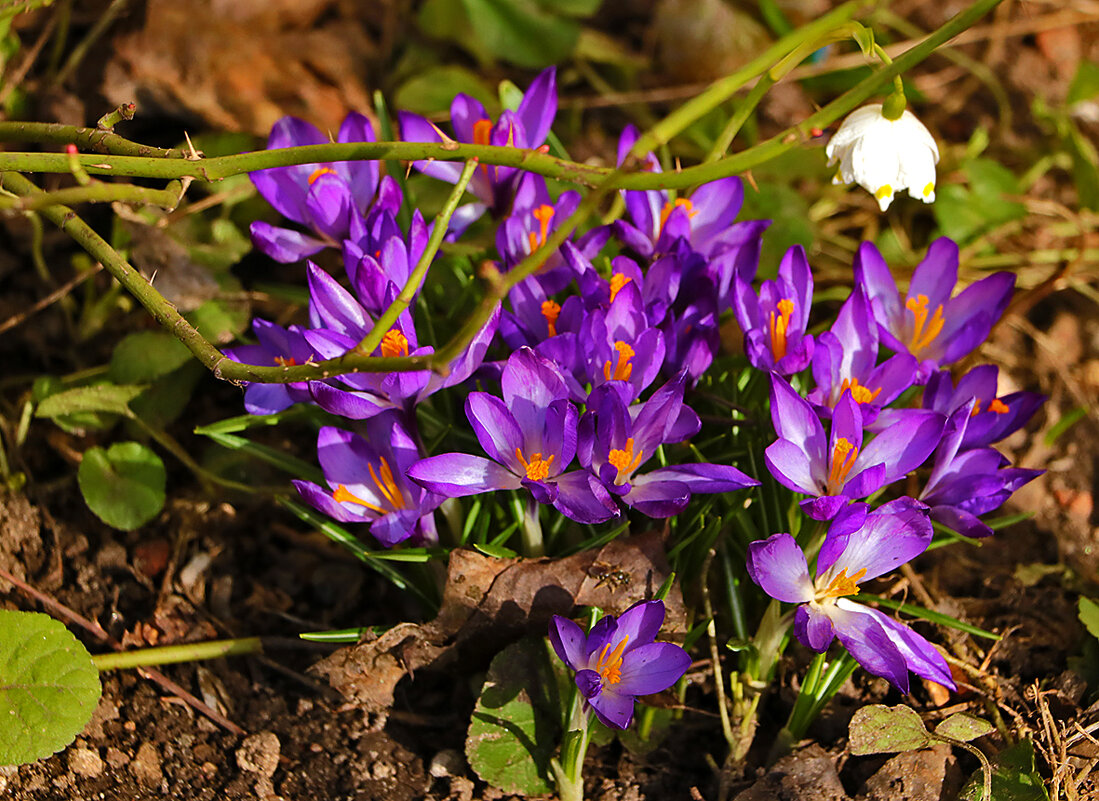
{"points": [[921, 336], [394, 344], [543, 214], [609, 666], [859, 393], [625, 461], [842, 585], [317, 173], [285, 361], [618, 280], [551, 311], [669, 207], [779, 325], [622, 368], [844, 454], [537, 468], [343, 495]]}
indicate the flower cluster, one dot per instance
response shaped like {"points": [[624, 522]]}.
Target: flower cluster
{"points": [[846, 440]]}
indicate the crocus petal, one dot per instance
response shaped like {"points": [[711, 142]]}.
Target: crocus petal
{"points": [[795, 420], [825, 507], [589, 683], [583, 499], [323, 501], [640, 623], [892, 535], [396, 527], [652, 668], [921, 656], [353, 405], [961, 521], [495, 428], [866, 640], [612, 709], [270, 398], [283, 244], [935, 276], [568, 641], [530, 383], [813, 628], [539, 107], [778, 566], [655, 498], [791, 467], [906, 445], [704, 477], [456, 475]]}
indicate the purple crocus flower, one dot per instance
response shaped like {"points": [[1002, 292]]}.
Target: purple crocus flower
{"points": [[615, 440], [534, 217], [618, 344], [845, 358], [386, 256], [619, 659], [859, 546], [965, 484], [774, 322], [525, 127], [838, 468], [329, 199], [993, 417], [530, 437], [284, 347], [367, 484], [935, 328]]}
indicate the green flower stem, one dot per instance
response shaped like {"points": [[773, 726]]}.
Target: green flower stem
{"points": [[740, 116], [533, 543], [416, 277], [570, 777], [174, 654]]}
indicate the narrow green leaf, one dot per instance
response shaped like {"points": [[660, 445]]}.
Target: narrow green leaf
{"points": [[48, 686], [123, 484], [1085, 83], [878, 729], [925, 614], [299, 468], [234, 425], [1088, 611], [114, 398], [496, 551], [1067, 421]]}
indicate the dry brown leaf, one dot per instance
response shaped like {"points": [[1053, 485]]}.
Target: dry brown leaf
{"points": [[488, 602]]}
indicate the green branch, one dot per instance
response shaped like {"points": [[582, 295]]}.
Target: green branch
{"points": [[97, 192]]}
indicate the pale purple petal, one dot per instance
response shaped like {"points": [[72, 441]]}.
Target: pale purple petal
{"points": [[866, 640], [456, 475], [568, 642], [778, 566], [651, 668], [283, 244], [922, 657]]}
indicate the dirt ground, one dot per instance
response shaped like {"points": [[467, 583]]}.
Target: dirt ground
{"points": [[212, 567]]}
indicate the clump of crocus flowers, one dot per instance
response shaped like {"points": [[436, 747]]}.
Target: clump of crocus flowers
{"points": [[582, 384]]}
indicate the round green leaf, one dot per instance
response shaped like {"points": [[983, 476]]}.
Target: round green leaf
{"points": [[123, 485], [145, 356], [878, 729], [48, 687]]}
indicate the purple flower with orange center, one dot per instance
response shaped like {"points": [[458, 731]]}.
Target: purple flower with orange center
{"points": [[860, 545], [993, 417], [530, 437], [774, 322], [838, 468], [619, 660], [927, 322], [619, 344], [278, 346], [367, 484]]}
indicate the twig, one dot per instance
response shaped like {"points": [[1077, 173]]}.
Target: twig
{"points": [[93, 628], [50, 299]]}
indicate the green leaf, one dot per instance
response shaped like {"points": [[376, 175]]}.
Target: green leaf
{"points": [[572, 8], [965, 212], [123, 484], [1088, 611], [220, 321], [166, 398], [864, 37], [1067, 421], [1013, 777], [48, 686], [1085, 84], [142, 357], [299, 468], [964, 727], [114, 398], [433, 89], [878, 729], [47, 385], [522, 32], [515, 722]]}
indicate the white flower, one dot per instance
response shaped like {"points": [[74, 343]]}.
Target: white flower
{"points": [[884, 156]]}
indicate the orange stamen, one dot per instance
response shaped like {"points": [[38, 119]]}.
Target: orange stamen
{"points": [[394, 344], [343, 495], [860, 393], [543, 214], [285, 361], [386, 485], [625, 461], [669, 207], [622, 368], [780, 324], [537, 468], [609, 666], [482, 135], [998, 406], [551, 311], [844, 454], [842, 585], [922, 337], [317, 173], [618, 280]]}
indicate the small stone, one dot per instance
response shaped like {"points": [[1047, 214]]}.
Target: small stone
{"points": [[383, 770], [85, 762], [259, 753], [447, 762], [146, 765], [116, 758]]}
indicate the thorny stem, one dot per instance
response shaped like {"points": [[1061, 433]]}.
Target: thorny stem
{"points": [[416, 277], [174, 654], [126, 158]]}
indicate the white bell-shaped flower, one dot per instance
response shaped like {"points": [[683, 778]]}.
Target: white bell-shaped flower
{"points": [[884, 156]]}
